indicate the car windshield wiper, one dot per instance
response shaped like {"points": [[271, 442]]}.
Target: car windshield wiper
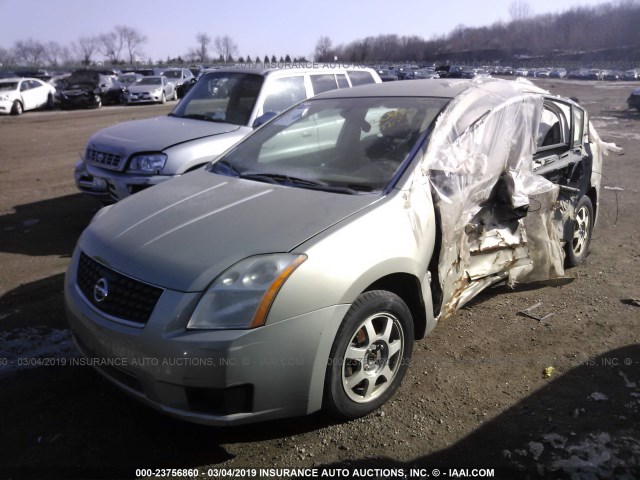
{"points": [[200, 116], [281, 179]]}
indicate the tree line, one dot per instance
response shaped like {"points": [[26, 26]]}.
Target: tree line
{"points": [[605, 26], [120, 46]]}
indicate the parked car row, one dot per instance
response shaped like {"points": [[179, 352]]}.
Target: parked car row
{"points": [[579, 74], [459, 71], [335, 234], [88, 88]]}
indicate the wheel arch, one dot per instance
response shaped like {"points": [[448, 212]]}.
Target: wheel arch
{"points": [[408, 288]]}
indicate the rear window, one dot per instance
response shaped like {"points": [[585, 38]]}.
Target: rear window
{"points": [[361, 78], [323, 83], [342, 81]]}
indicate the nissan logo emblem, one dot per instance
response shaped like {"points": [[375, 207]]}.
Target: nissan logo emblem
{"points": [[101, 290]]}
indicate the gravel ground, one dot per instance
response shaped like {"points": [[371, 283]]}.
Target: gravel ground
{"points": [[475, 395]]}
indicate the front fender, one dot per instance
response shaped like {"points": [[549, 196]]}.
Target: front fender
{"points": [[187, 155], [394, 235]]}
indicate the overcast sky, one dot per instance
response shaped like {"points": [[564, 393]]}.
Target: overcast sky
{"points": [[259, 27]]}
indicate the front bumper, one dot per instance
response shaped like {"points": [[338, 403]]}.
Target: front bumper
{"points": [[6, 106], [213, 377], [108, 185], [144, 97], [79, 101]]}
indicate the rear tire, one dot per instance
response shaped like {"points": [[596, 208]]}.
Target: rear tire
{"points": [[577, 247], [369, 356]]}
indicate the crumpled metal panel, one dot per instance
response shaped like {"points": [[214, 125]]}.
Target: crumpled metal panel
{"points": [[498, 218]]}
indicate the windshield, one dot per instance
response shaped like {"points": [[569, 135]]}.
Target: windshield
{"points": [[173, 73], [128, 79], [8, 85], [150, 81], [357, 145], [83, 77], [228, 97]]}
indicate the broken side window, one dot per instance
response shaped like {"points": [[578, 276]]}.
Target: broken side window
{"points": [[578, 126]]}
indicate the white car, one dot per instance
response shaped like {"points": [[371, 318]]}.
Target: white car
{"points": [[151, 89], [21, 94]]}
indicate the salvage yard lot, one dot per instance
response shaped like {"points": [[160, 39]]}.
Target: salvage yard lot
{"points": [[475, 394]]}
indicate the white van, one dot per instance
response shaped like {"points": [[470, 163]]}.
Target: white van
{"points": [[222, 108]]}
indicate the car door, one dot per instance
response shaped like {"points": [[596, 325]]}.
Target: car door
{"points": [[563, 155], [40, 93], [559, 150], [29, 94]]}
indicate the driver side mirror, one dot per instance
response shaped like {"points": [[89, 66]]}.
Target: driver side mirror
{"points": [[264, 118]]}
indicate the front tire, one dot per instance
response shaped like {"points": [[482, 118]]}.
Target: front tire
{"points": [[577, 247], [17, 108], [369, 356], [163, 99]]}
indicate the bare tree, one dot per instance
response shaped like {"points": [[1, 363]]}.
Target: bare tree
{"points": [[56, 54], [226, 47], [110, 45], [202, 52], [520, 10], [323, 49], [86, 47], [132, 40], [29, 52], [7, 57]]}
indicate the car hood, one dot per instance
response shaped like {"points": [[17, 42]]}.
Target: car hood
{"points": [[10, 93], [154, 134], [183, 233]]}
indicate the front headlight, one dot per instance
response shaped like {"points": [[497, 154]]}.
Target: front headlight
{"points": [[4, 97], [150, 163], [242, 296]]}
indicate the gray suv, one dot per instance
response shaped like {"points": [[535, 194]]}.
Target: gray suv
{"points": [[223, 107]]}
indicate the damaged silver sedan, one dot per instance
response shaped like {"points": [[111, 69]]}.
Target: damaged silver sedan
{"points": [[296, 271]]}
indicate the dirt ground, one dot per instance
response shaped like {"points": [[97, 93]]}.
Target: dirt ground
{"points": [[475, 395]]}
